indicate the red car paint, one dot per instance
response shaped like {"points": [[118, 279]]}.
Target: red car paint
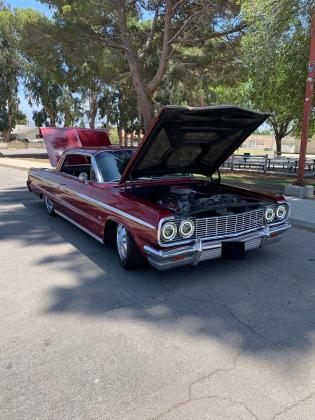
{"points": [[93, 205], [57, 140]]}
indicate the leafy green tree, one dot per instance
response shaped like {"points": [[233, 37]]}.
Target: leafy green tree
{"points": [[275, 54], [70, 107], [43, 70], [119, 106], [193, 75], [42, 90], [40, 118], [9, 75], [147, 47]]}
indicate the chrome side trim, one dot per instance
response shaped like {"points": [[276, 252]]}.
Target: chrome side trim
{"points": [[96, 170], [79, 226], [110, 208], [106, 206]]}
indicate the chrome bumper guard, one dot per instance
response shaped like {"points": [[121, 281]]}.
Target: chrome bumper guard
{"points": [[208, 250]]}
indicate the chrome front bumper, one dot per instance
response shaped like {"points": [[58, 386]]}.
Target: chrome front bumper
{"points": [[208, 250]]}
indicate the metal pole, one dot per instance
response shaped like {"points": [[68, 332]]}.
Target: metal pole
{"points": [[308, 105]]}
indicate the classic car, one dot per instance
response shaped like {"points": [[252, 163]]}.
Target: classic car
{"points": [[164, 201]]}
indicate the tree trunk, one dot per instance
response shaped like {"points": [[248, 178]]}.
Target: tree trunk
{"points": [[132, 137], [7, 133], [52, 118], [120, 136], [93, 109], [68, 121], [144, 98], [107, 122], [278, 138], [146, 106]]}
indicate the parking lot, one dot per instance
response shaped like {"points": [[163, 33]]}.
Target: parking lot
{"points": [[80, 338]]}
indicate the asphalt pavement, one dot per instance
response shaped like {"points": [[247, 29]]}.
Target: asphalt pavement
{"points": [[80, 338]]}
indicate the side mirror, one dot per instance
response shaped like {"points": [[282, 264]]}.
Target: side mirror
{"points": [[83, 176]]}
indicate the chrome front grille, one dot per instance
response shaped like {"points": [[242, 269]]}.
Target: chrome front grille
{"points": [[229, 225], [221, 226]]}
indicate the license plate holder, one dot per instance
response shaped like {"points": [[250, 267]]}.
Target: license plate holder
{"points": [[233, 250]]}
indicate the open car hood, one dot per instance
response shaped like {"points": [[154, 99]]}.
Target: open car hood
{"points": [[57, 140], [192, 140]]}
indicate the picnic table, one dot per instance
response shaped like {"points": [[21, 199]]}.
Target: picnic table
{"points": [[283, 162], [265, 163]]}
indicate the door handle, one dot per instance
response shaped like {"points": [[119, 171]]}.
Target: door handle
{"points": [[62, 184]]}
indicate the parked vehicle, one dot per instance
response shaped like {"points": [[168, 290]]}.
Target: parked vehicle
{"points": [[163, 202]]}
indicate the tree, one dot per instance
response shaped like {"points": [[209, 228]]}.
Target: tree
{"points": [[193, 76], [119, 106], [40, 118], [275, 54], [147, 48], [70, 107], [9, 75], [41, 89], [43, 70]]}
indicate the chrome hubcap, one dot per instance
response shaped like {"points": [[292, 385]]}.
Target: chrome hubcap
{"points": [[122, 243], [49, 204]]}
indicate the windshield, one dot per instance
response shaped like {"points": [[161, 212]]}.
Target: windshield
{"points": [[112, 163]]}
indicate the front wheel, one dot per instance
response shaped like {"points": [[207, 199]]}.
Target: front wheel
{"points": [[127, 250], [49, 206]]}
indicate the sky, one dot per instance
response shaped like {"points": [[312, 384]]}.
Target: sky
{"points": [[33, 4]]}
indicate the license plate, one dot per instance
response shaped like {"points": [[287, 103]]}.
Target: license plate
{"points": [[233, 250]]}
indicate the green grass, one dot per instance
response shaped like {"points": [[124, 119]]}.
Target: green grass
{"points": [[273, 183]]}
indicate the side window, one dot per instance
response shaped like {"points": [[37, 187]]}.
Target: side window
{"points": [[75, 164]]}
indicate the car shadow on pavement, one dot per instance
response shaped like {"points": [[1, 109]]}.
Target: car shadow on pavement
{"points": [[264, 303]]}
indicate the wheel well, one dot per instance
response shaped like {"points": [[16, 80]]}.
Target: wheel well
{"points": [[109, 232]]}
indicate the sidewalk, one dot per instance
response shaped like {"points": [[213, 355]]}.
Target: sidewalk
{"points": [[302, 210], [23, 164]]}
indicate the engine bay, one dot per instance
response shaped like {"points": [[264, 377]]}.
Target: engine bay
{"points": [[199, 200]]}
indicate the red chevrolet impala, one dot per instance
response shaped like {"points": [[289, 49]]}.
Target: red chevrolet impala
{"points": [[162, 202]]}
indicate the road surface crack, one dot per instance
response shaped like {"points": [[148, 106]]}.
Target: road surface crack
{"points": [[296, 404], [232, 314], [202, 378]]}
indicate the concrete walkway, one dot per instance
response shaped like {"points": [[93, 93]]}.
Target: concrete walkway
{"points": [[23, 164], [302, 210]]}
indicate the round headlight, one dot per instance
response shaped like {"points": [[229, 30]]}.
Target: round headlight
{"points": [[269, 214], [169, 231], [186, 228], [281, 212]]}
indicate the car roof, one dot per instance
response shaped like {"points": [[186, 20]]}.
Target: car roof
{"points": [[95, 150]]}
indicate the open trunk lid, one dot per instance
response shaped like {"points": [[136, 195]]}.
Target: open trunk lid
{"points": [[57, 140]]}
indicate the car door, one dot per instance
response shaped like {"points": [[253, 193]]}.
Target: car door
{"points": [[74, 192]]}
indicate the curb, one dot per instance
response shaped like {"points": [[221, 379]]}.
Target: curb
{"points": [[14, 167]]}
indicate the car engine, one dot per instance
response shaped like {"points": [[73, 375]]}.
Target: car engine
{"points": [[188, 201]]}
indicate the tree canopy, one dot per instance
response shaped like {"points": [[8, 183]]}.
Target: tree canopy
{"points": [[116, 62]]}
